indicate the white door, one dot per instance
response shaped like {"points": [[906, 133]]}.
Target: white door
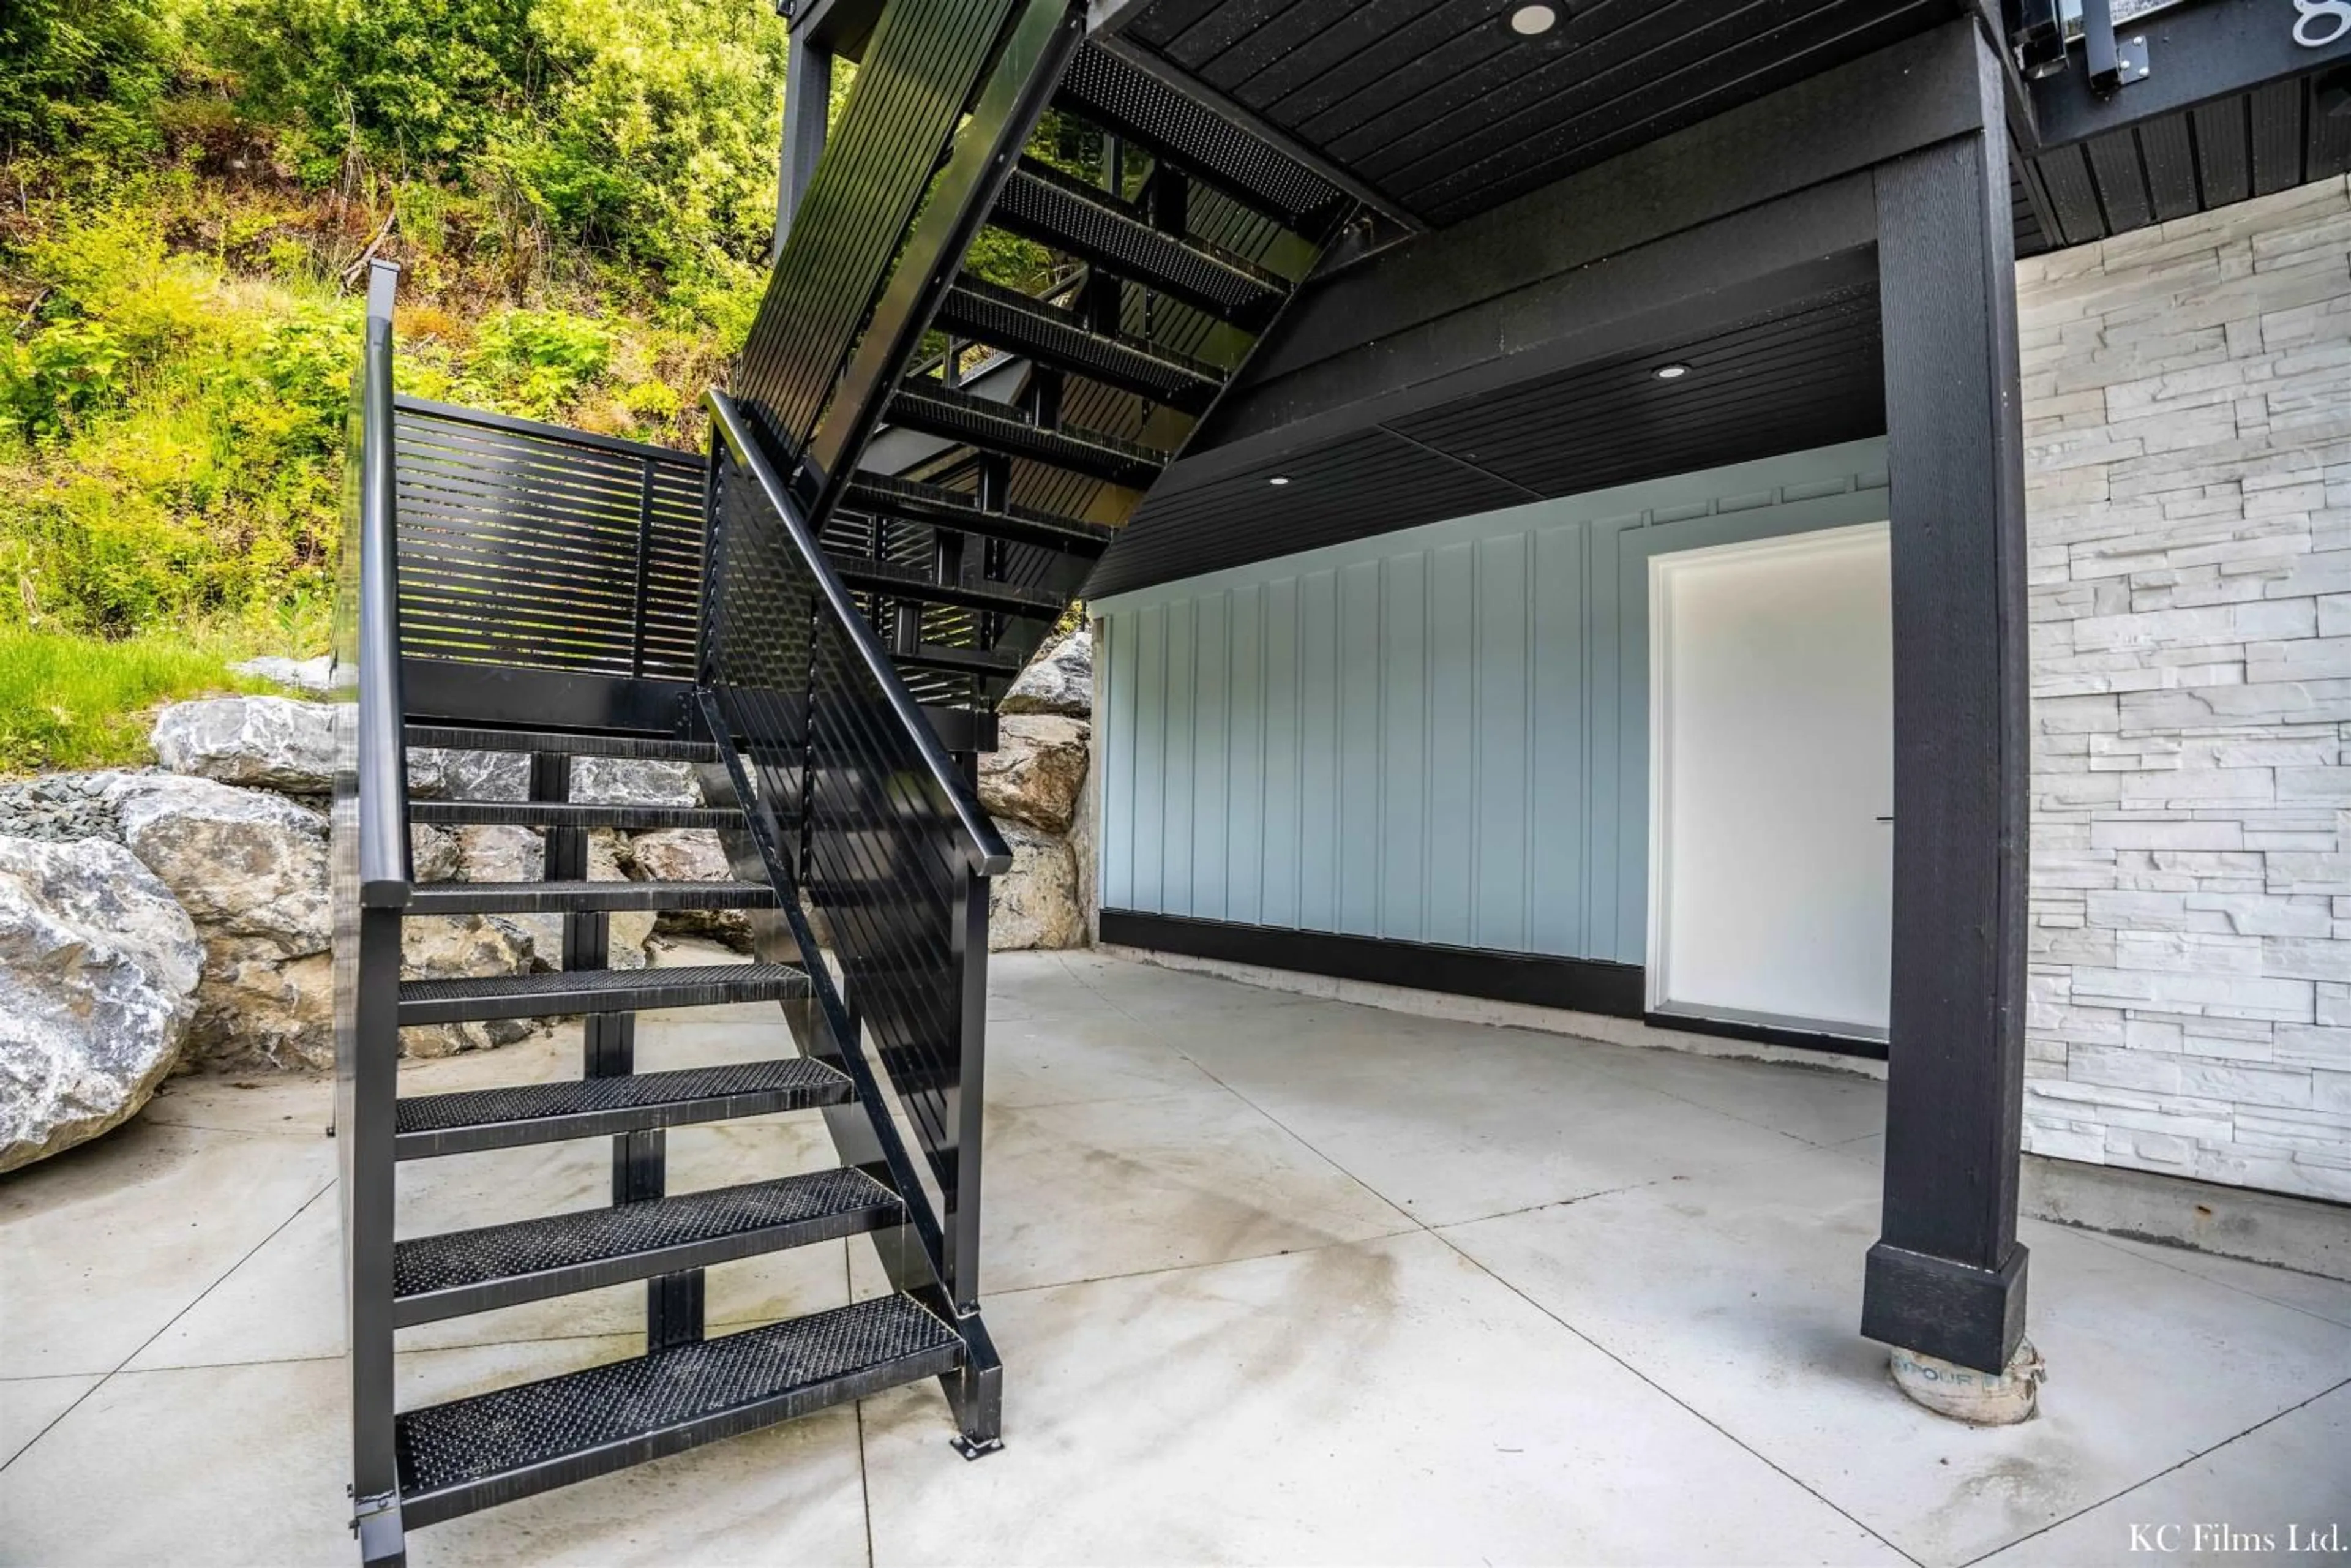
{"points": [[1771, 781]]}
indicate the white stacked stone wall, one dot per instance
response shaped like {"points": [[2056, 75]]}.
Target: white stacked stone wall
{"points": [[2188, 429]]}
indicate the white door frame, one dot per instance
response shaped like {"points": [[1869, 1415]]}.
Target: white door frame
{"points": [[1662, 566]]}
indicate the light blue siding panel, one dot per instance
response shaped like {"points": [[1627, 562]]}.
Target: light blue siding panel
{"points": [[1183, 738], [1555, 855], [1439, 734], [1245, 807], [1359, 747], [1114, 678], [1284, 757], [1500, 911], [1318, 699], [1211, 753], [1150, 836], [1453, 707], [1402, 842]]}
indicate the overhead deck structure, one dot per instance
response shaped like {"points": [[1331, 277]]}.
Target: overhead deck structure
{"points": [[1308, 271]]}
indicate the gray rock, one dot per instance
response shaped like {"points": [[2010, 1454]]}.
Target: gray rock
{"points": [[621, 781], [271, 743], [1061, 679], [302, 675], [250, 869], [1037, 770], [433, 854], [487, 774], [1035, 905], [691, 854], [98, 978], [243, 863], [463, 947]]}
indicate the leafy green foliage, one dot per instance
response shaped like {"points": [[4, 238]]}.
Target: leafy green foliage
{"points": [[82, 70]]}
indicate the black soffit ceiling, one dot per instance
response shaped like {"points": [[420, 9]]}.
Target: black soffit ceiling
{"points": [[1805, 377], [1446, 110]]}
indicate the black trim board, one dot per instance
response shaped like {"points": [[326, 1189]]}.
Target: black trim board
{"points": [[1580, 985], [1770, 1034]]}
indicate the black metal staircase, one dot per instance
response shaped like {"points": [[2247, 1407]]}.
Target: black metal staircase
{"points": [[907, 483]]}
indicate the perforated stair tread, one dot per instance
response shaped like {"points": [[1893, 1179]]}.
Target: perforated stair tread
{"points": [[583, 897], [901, 581], [917, 502], [597, 991], [569, 814], [1042, 203], [511, 1442], [442, 1276], [636, 747], [474, 1119], [1014, 323], [981, 421]]}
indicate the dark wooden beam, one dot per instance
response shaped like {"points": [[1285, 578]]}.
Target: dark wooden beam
{"points": [[1804, 245], [1946, 1276]]}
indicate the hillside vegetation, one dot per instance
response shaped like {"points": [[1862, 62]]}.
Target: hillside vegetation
{"points": [[580, 193]]}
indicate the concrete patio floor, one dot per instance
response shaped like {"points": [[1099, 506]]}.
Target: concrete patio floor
{"points": [[1275, 1279]]}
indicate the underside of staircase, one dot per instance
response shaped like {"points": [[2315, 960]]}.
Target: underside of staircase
{"points": [[909, 478]]}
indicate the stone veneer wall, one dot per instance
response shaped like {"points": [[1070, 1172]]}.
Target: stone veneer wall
{"points": [[2188, 428]]}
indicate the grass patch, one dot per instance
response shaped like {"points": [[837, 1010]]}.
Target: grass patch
{"points": [[69, 701]]}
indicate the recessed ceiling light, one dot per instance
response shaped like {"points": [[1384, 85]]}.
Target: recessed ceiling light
{"points": [[1278, 479], [1670, 372], [1531, 21]]}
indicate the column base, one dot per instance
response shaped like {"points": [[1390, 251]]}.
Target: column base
{"points": [[1979, 1398], [1935, 1307]]}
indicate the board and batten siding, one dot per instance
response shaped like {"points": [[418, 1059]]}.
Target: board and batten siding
{"points": [[1436, 735]]}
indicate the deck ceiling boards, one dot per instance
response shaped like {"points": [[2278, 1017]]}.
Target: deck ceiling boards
{"points": [[1448, 111], [1800, 377], [2276, 137]]}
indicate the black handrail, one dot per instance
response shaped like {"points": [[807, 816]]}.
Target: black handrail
{"points": [[985, 848], [367, 644]]}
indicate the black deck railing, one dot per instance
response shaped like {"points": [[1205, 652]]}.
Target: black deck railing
{"points": [[880, 829], [531, 546]]}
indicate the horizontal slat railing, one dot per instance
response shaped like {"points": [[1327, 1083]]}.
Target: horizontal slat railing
{"points": [[529, 545]]}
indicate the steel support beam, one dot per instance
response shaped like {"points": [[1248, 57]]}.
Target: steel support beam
{"points": [[1946, 1276], [808, 101]]}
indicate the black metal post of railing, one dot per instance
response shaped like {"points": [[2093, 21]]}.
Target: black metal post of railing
{"points": [[371, 873]]}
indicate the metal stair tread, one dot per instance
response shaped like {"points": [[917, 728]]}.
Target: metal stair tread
{"points": [[1054, 209], [570, 814], [962, 661], [576, 897], [461, 1122], [510, 1442], [455, 1273], [903, 581], [945, 508], [596, 990], [635, 748], [957, 415], [1017, 323]]}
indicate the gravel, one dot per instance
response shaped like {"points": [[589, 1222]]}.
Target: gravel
{"points": [[60, 808]]}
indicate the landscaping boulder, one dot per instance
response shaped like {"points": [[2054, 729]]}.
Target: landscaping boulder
{"points": [[463, 947], [1036, 770], [250, 869], [1035, 905], [270, 743], [1061, 679], [623, 781], [487, 774], [691, 854], [98, 970]]}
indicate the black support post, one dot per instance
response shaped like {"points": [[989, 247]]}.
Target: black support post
{"points": [[807, 99], [1946, 1276], [367, 1105]]}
